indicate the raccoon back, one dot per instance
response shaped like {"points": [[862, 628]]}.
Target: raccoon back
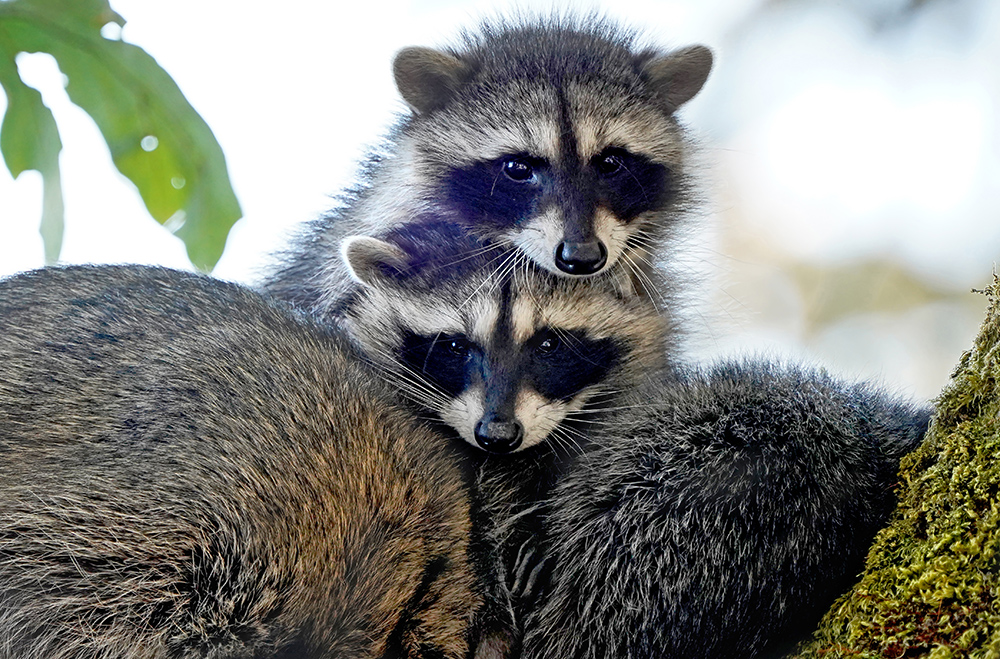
{"points": [[721, 516]]}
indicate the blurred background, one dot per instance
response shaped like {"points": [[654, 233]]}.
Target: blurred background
{"points": [[850, 151]]}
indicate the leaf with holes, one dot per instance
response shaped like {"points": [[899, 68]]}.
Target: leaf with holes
{"points": [[156, 138], [29, 140]]}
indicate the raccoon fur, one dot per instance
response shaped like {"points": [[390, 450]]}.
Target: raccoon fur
{"points": [[554, 136], [187, 470], [719, 517]]}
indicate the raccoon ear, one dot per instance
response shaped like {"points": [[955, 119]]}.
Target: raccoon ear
{"points": [[676, 77], [372, 261], [426, 78]]}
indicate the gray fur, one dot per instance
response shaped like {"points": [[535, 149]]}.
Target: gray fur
{"points": [[187, 470], [679, 76], [427, 79], [695, 514], [719, 517], [512, 87]]}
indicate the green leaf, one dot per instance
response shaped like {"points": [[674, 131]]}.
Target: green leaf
{"points": [[29, 140], [85, 14], [52, 216], [156, 138], [28, 135]]}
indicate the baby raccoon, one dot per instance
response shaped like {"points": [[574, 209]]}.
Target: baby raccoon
{"points": [[187, 470], [557, 137], [506, 355], [719, 516], [703, 514]]}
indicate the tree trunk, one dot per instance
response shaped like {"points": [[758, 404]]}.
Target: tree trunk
{"points": [[931, 586]]}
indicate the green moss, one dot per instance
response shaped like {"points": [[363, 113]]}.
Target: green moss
{"points": [[931, 587]]}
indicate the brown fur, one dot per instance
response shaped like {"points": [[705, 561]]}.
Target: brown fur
{"points": [[187, 470]]}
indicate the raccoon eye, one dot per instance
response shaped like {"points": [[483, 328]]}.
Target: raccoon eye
{"points": [[458, 347], [518, 169], [609, 162], [548, 344]]}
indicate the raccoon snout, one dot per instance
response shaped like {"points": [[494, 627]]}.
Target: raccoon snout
{"points": [[498, 436], [581, 258]]}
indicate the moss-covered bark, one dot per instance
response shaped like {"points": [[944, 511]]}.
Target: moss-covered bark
{"points": [[932, 582]]}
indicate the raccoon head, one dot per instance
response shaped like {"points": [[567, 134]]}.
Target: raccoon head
{"points": [[559, 139], [506, 355]]}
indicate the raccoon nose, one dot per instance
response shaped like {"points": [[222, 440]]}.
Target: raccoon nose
{"points": [[498, 436], [581, 258]]}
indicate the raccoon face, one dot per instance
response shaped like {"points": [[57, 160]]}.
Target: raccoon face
{"points": [[561, 143], [507, 357], [506, 397]]}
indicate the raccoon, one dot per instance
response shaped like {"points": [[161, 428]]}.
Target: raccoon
{"points": [[690, 513], [516, 363], [189, 470], [557, 137], [718, 517], [699, 513], [504, 354]]}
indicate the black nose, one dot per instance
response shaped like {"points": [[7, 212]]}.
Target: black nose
{"points": [[498, 436], [581, 258]]}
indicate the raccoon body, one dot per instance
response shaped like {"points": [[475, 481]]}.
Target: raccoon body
{"points": [[556, 137], [187, 470], [719, 517]]}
